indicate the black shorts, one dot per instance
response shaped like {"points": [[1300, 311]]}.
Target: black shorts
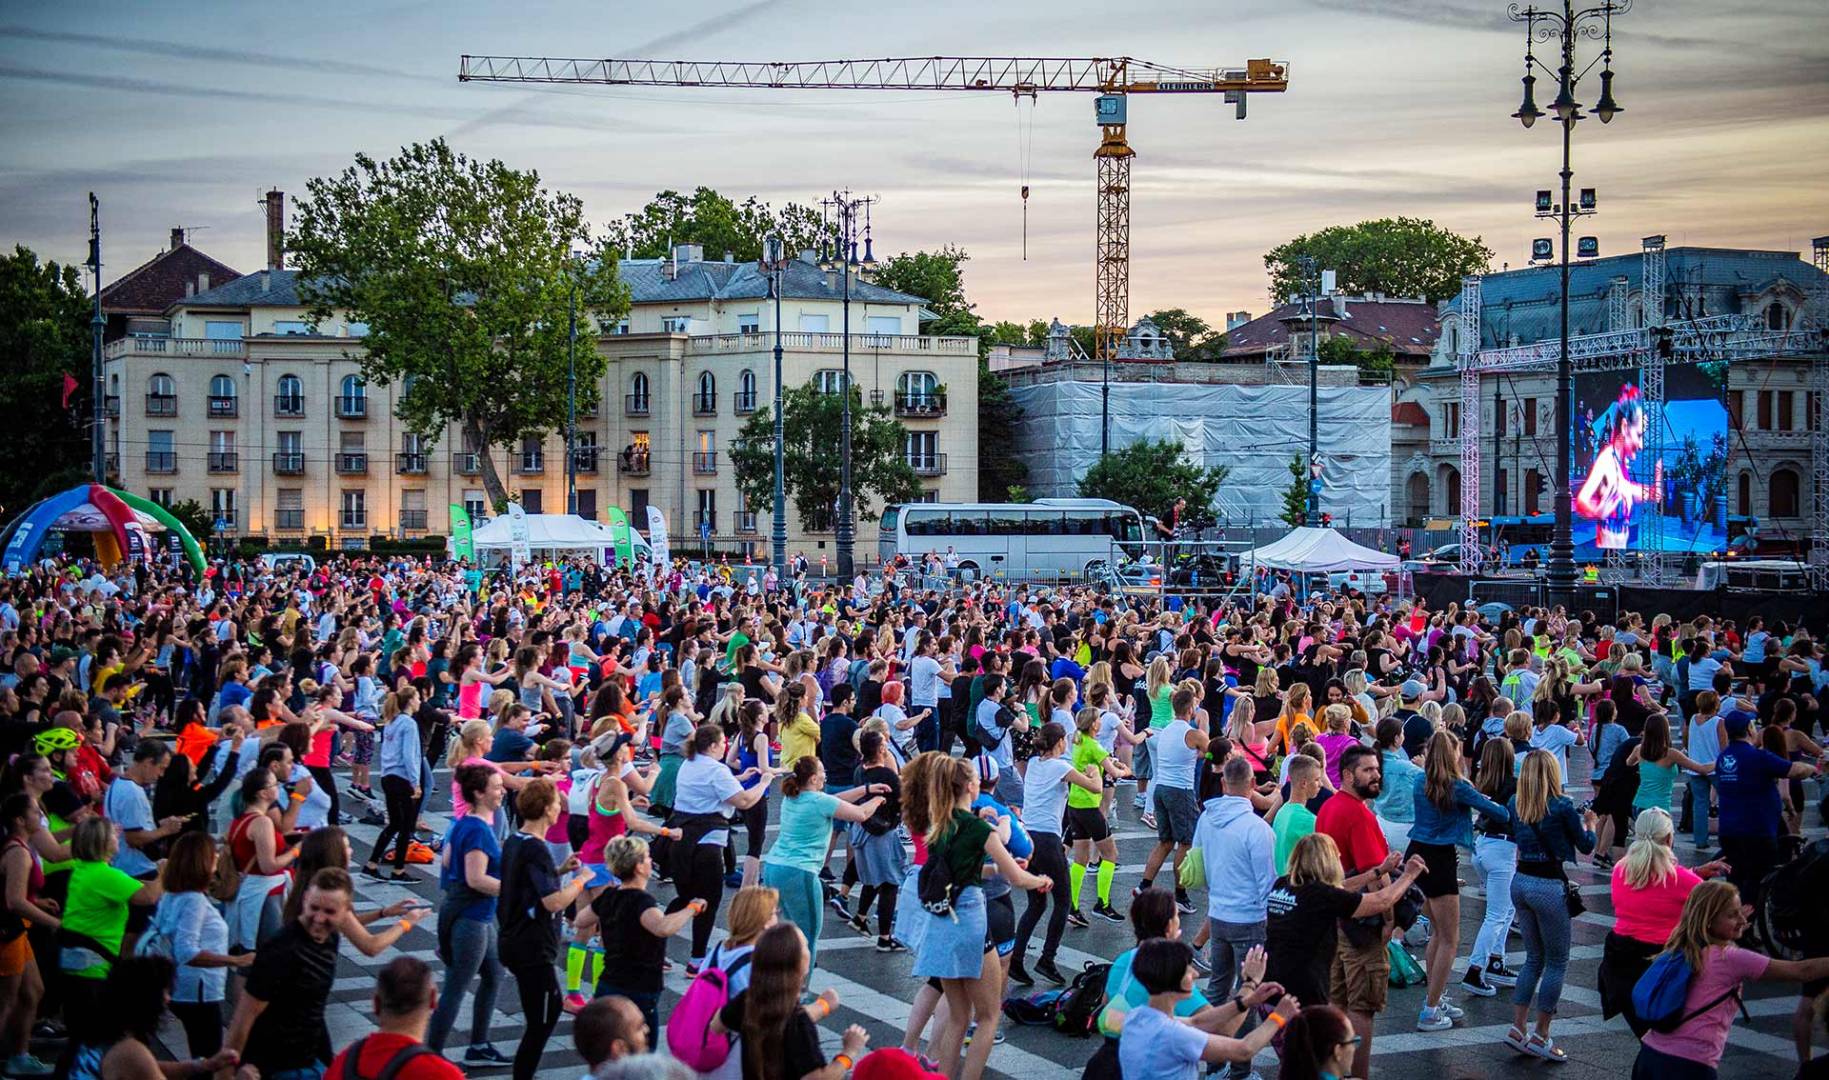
{"points": [[755, 822], [1087, 823], [999, 924], [1442, 876], [578, 830]]}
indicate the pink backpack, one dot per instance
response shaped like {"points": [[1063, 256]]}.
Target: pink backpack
{"points": [[689, 1036]]}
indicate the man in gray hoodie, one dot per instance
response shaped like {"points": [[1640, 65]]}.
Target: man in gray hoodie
{"points": [[1239, 850]]}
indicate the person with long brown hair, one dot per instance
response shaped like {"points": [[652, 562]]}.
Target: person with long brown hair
{"points": [[777, 1037]]}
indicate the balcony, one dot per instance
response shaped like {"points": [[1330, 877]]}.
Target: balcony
{"points": [[927, 464], [161, 404], [636, 404], [746, 521], [353, 519], [409, 463], [289, 520], [704, 404], [745, 402], [288, 406], [467, 463], [413, 520], [352, 463], [160, 345], [921, 406], [584, 458], [288, 462], [632, 464], [704, 462], [161, 461], [111, 406], [224, 407], [530, 462], [352, 407], [805, 341], [223, 461]]}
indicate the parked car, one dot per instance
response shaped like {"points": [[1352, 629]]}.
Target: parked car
{"points": [[1370, 582], [287, 561]]}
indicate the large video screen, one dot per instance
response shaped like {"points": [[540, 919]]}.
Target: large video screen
{"points": [[1621, 488]]}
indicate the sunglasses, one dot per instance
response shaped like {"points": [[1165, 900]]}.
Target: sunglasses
{"points": [[1354, 1041]]}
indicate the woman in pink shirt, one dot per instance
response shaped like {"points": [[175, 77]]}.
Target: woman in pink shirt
{"points": [[1712, 922], [1649, 889]]}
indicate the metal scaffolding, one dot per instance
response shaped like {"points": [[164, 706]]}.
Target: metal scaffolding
{"points": [[1468, 358]]}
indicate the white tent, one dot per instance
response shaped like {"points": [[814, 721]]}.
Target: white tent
{"points": [[545, 532], [1318, 550]]}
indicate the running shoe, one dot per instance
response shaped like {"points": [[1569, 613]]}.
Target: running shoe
{"points": [[1433, 1020], [1046, 969], [1148, 819], [1108, 913], [859, 923], [996, 1040], [889, 945], [27, 1065], [1182, 902], [575, 1002], [485, 1054], [1200, 963], [1018, 975], [837, 903], [1077, 919]]}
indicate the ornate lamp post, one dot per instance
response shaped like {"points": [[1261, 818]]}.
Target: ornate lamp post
{"points": [[849, 217], [774, 263]]}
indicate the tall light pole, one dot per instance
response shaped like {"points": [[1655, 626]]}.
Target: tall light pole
{"points": [[1312, 277], [774, 264], [97, 323], [1564, 27], [571, 403], [850, 220]]}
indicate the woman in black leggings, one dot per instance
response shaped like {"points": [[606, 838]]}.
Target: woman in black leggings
{"points": [[400, 760], [1044, 810], [705, 794], [532, 896]]}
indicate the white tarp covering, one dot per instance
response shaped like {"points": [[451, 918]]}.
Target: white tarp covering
{"points": [[1317, 551], [545, 532], [1251, 430]]}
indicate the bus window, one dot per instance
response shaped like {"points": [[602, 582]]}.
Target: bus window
{"points": [[969, 523], [891, 515], [1085, 523], [1006, 523], [924, 522], [1044, 523], [1126, 526]]}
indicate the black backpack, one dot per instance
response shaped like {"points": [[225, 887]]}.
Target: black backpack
{"points": [[937, 887], [1077, 1011], [1791, 903], [352, 1061]]}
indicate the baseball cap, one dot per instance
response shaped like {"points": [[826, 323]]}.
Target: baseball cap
{"points": [[1412, 689], [1737, 724], [891, 1063], [987, 770], [62, 653]]}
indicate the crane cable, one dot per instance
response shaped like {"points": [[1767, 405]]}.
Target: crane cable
{"points": [[1025, 140]]}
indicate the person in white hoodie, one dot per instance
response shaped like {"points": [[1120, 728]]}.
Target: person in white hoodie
{"points": [[1239, 850]]}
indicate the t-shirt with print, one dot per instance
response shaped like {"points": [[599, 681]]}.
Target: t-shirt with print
{"points": [[1154, 1044], [1746, 776], [1703, 1038], [1299, 933], [1086, 752], [806, 831], [1044, 794]]}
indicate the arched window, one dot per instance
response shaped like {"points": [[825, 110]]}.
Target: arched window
{"points": [[917, 383], [291, 387], [638, 392], [221, 386], [1743, 497], [352, 397], [1777, 316], [353, 387], [746, 391], [289, 396], [162, 386], [1782, 500], [1417, 490], [829, 380], [708, 384], [1451, 490]]}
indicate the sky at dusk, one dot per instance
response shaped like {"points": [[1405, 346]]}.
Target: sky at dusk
{"points": [[181, 114]]}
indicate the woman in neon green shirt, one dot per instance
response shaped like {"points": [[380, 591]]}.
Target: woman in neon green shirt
{"points": [[95, 912]]}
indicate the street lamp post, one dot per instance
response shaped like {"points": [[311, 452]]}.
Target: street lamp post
{"points": [[850, 221], [97, 323], [1312, 277], [571, 403], [774, 263], [1564, 27]]}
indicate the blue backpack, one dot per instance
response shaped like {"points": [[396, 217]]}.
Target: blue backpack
{"points": [[1660, 993]]}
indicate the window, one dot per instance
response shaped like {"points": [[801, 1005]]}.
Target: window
{"points": [[746, 391], [1498, 491], [708, 510], [676, 324], [161, 385], [160, 496], [1787, 403], [919, 448], [1530, 418], [815, 324], [355, 509], [1777, 316], [638, 394], [533, 501], [289, 510], [1533, 491], [222, 396], [412, 509], [222, 331], [533, 455], [705, 402], [1783, 497], [222, 451], [1498, 418], [617, 328], [1451, 420], [587, 504], [883, 324], [749, 323], [1733, 408], [1765, 411], [705, 454], [290, 327], [358, 329], [160, 455], [829, 380], [917, 383], [289, 400], [476, 504], [638, 504], [352, 442], [222, 507], [1743, 495]]}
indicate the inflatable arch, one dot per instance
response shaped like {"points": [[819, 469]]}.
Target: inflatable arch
{"points": [[119, 521]]}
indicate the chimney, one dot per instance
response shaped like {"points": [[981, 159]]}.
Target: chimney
{"points": [[275, 203], [177, 237], [730, 256]]}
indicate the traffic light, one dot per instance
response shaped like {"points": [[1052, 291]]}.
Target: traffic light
{"points": [[1327, 520]]}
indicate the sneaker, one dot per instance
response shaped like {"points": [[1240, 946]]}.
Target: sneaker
{"points": [[575, 1002], [1181, 901], [1473, 982], [1498, 974], [1148, 819], [1018, 975], [996, 1040], [1108, 913], [859, 923], [1074, 917], [27, 1065], [837, 902], [48, 1029], [733, 880], [1453, 1011], [825, 875], [1200, 963], [486, 1054], [1433, 1020], [890, 945], [1137, 802], [1046, 969]]}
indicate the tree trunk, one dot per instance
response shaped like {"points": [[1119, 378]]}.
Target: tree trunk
{"points": [[493, 488]]}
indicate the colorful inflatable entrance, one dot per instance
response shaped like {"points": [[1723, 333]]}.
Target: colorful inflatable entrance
{"points": [[120, 523]]}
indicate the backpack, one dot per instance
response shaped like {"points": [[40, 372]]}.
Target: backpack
{"points": [[689, 1035], [156, 941], [352, 1060], [1789, 913], [1661, 992], [1077, 1011], [937, 887], [1034, 1010]]}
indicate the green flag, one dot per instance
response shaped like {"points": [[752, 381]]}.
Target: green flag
{"points": [[462, 543], [619, 533]]}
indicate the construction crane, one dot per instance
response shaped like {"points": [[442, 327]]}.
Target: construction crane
{"points": [[1113, 79]]}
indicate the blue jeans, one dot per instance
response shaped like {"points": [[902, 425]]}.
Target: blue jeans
{"points": [[1698, 802], [927, 730], [1543, 916], [473, 953], [1229, 942]]}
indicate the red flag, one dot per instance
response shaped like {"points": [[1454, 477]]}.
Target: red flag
{"points": [[70, 385]]}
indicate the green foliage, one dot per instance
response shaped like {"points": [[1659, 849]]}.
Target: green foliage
{"points": [[1295, 496], [937, 277], [1396, 256], [195, 517], [1016, 493], [44, 333], [998, 412], [713, 220], [1150, 476], [813, 426], [463, 272], [1340, 349], [1188, 334]]}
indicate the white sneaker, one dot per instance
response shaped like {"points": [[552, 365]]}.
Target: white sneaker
{"points": [[1435, 1019], [1455, 1012]]}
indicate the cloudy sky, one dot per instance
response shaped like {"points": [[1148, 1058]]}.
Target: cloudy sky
{"points": [[181, 114]]}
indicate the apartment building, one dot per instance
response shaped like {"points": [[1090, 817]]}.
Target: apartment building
{"points": [[235, 399]]}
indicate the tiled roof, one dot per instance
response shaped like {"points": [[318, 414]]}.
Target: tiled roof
{"points": [[154, 285], [1407, 327], [1410, 413]]}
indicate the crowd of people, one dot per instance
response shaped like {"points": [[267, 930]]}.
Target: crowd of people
{"points": [[586, 759]]}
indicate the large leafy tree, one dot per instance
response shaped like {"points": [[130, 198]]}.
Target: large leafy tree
{"points": [[1341, 349], [999, 471], [717, 222], [1396, 256], [1150, 475], [813, 423], [1188, 334], [44, 335], [463, 271]]}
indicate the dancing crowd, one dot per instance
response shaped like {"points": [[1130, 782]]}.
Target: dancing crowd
{"points": [[585, 758]]}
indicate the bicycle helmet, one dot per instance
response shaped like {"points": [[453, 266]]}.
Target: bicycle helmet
{"points": [[51, 740]]}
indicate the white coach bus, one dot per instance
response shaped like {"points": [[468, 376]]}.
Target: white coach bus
{"points": [[1047, 538]]}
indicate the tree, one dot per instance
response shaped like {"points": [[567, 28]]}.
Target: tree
{"points": [[44, 335], [1295, 496], [1188, 334], [714, 221], [1341, 349], [813, 424], [1150, 476], [196, 518], [998, 470], [1395, 256], [463, 272]]}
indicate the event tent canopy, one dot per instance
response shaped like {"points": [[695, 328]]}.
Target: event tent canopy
{"points": [[1318, 550], [545, 532]]}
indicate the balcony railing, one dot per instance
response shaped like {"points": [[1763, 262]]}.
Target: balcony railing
{"points": [[224, 406], [920, 405], [584, 458], [354, 519], [806, 341], [704, 462], [352, 462], [704, 404], [289, 520], [467, 463], [745, 402], [161, 404], [111, 406], [413, 520], [352, 406], [637, 404], [534, 462], [223, 461], [927, 464], [161, 461], [636, 464], [160, 345], [288, 405], [288, 462], [408, 463], [746, 522]]}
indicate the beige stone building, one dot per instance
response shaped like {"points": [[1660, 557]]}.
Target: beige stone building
{"points": [[235, 400]]}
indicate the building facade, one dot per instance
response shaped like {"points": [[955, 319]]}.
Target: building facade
{"points": [[236, 400]]}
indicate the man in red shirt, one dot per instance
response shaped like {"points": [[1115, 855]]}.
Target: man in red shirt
{"points": [[405, 995], [1361, 967]]}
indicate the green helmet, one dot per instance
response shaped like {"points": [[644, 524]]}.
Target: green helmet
{"points": [[51, 740]]}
